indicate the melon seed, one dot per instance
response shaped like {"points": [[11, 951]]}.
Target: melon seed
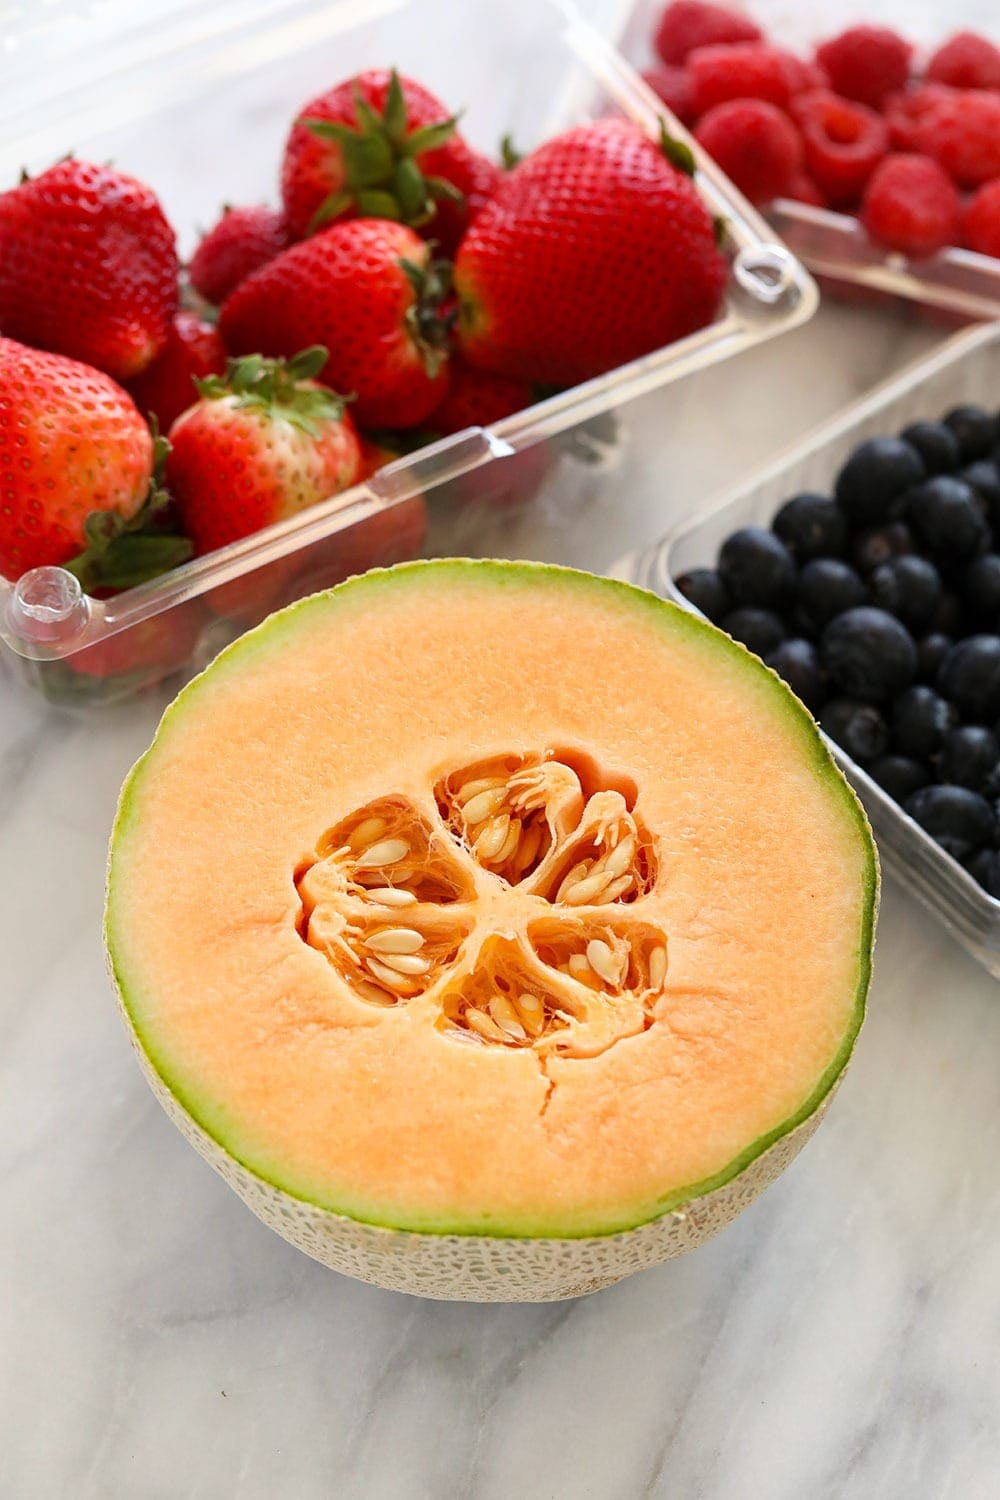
{"points": [[507, 1018], [482, 805], [369, 829], [603, 961], [388, 852], [657, 967], [390, 895], [395, 940], [492, 839], [405, 963]]}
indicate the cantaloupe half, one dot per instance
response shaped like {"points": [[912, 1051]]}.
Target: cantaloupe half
{"points": [[495, 930]]}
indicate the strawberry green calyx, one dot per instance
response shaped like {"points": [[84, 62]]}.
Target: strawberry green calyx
{"points": [[678, 153], [429, 328], [382, 178], [280, 387]]}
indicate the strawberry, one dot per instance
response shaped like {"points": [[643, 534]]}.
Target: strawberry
{"points": [[164, 642], [368, 290], [595, 250], [76, 470], [379, 146], [241, 242], [477, 178], [264, 443], [477, 398], [194, 349], [88, 267]]}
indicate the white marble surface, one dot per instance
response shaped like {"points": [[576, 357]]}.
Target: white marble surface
{"points": [[839, 1342]]}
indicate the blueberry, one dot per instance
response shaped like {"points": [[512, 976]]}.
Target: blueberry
{"points": [[797, 662], [975, 429], [931, 652], [959, 820], [872, 482], [858, 728], [899, 775], [757, 567], [984, 476], [969, 757], [908, 587], [980, 586], [936, 444], [826, 588], [812, 526], [970, 677], [946, 518], [759, 630], [985, 868], [869, 654], [703, 588], [949, 617], [879, 543], [920, 720]]}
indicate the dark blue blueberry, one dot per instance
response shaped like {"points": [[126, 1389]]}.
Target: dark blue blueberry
{"points": [[827, 587], [947, 520], [920, 720], [984, 476], [706, 591], [899, 775], [858, 728], [869, 654], [936, 444], [797, 661], [980, 585], [949, 617], [959, 820], [758, 629], [975, 429], [985, 868], [757, 568], [812, 526], [908, 587], [871, 484], [879, 543], [970, 677], [969, 757], [931, 652]]}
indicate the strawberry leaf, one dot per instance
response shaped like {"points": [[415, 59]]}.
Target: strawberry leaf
{"points": [[394, 115], [678, 153], [509, 154], [429, 137]]}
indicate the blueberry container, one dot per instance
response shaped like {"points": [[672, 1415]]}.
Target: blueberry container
{"points": [[196, 100], [964, 369]]}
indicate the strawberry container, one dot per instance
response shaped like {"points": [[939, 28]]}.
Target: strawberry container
{"points": [[197, 100], [834, 246], [966, 368]]}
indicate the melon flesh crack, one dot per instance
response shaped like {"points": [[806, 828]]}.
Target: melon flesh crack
{"points": [[513, 912]]}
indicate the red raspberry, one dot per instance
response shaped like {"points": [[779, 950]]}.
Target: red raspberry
{"points": [[751, 72], [802, 189], [911, 204], [803, 73], [866, 62], [673, 86], [903, 113], [688, 24], [966, 61], [962, 132], [981, 219], [754, 144], [843, 143]]}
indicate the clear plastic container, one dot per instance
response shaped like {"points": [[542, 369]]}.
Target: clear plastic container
{"points": [[834, 246], [197, 100], [966, 368]]}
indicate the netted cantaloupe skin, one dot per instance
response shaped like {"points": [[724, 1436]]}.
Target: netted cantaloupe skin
{"points": [[482, 1268]]}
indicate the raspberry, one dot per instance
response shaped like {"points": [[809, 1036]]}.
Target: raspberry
{"points": [[802, 73], [962, 132], [911, 204], [843, 142], [754, 144], [903, 113], [688, 24], [966, 61], [803, 190], [981, 219], [673, 86], [745, 72], [865, 63]]}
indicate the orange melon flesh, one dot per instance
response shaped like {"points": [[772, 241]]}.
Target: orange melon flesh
{"points": [[764, 887]]}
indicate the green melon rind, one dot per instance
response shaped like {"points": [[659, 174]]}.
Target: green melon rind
{"points": [[212, 1118]]}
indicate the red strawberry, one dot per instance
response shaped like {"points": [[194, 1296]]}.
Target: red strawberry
{"points": [[367, 289], [595, 250], [262, 444], [194, 349], [241, 242], [477, 179], [71, 444], [88, 267], [477, 398], [163, 642], [377, 146]]}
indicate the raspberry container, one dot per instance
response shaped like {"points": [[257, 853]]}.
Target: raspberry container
{"points": [[834, 246], [966, 368], [196, 100]]}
